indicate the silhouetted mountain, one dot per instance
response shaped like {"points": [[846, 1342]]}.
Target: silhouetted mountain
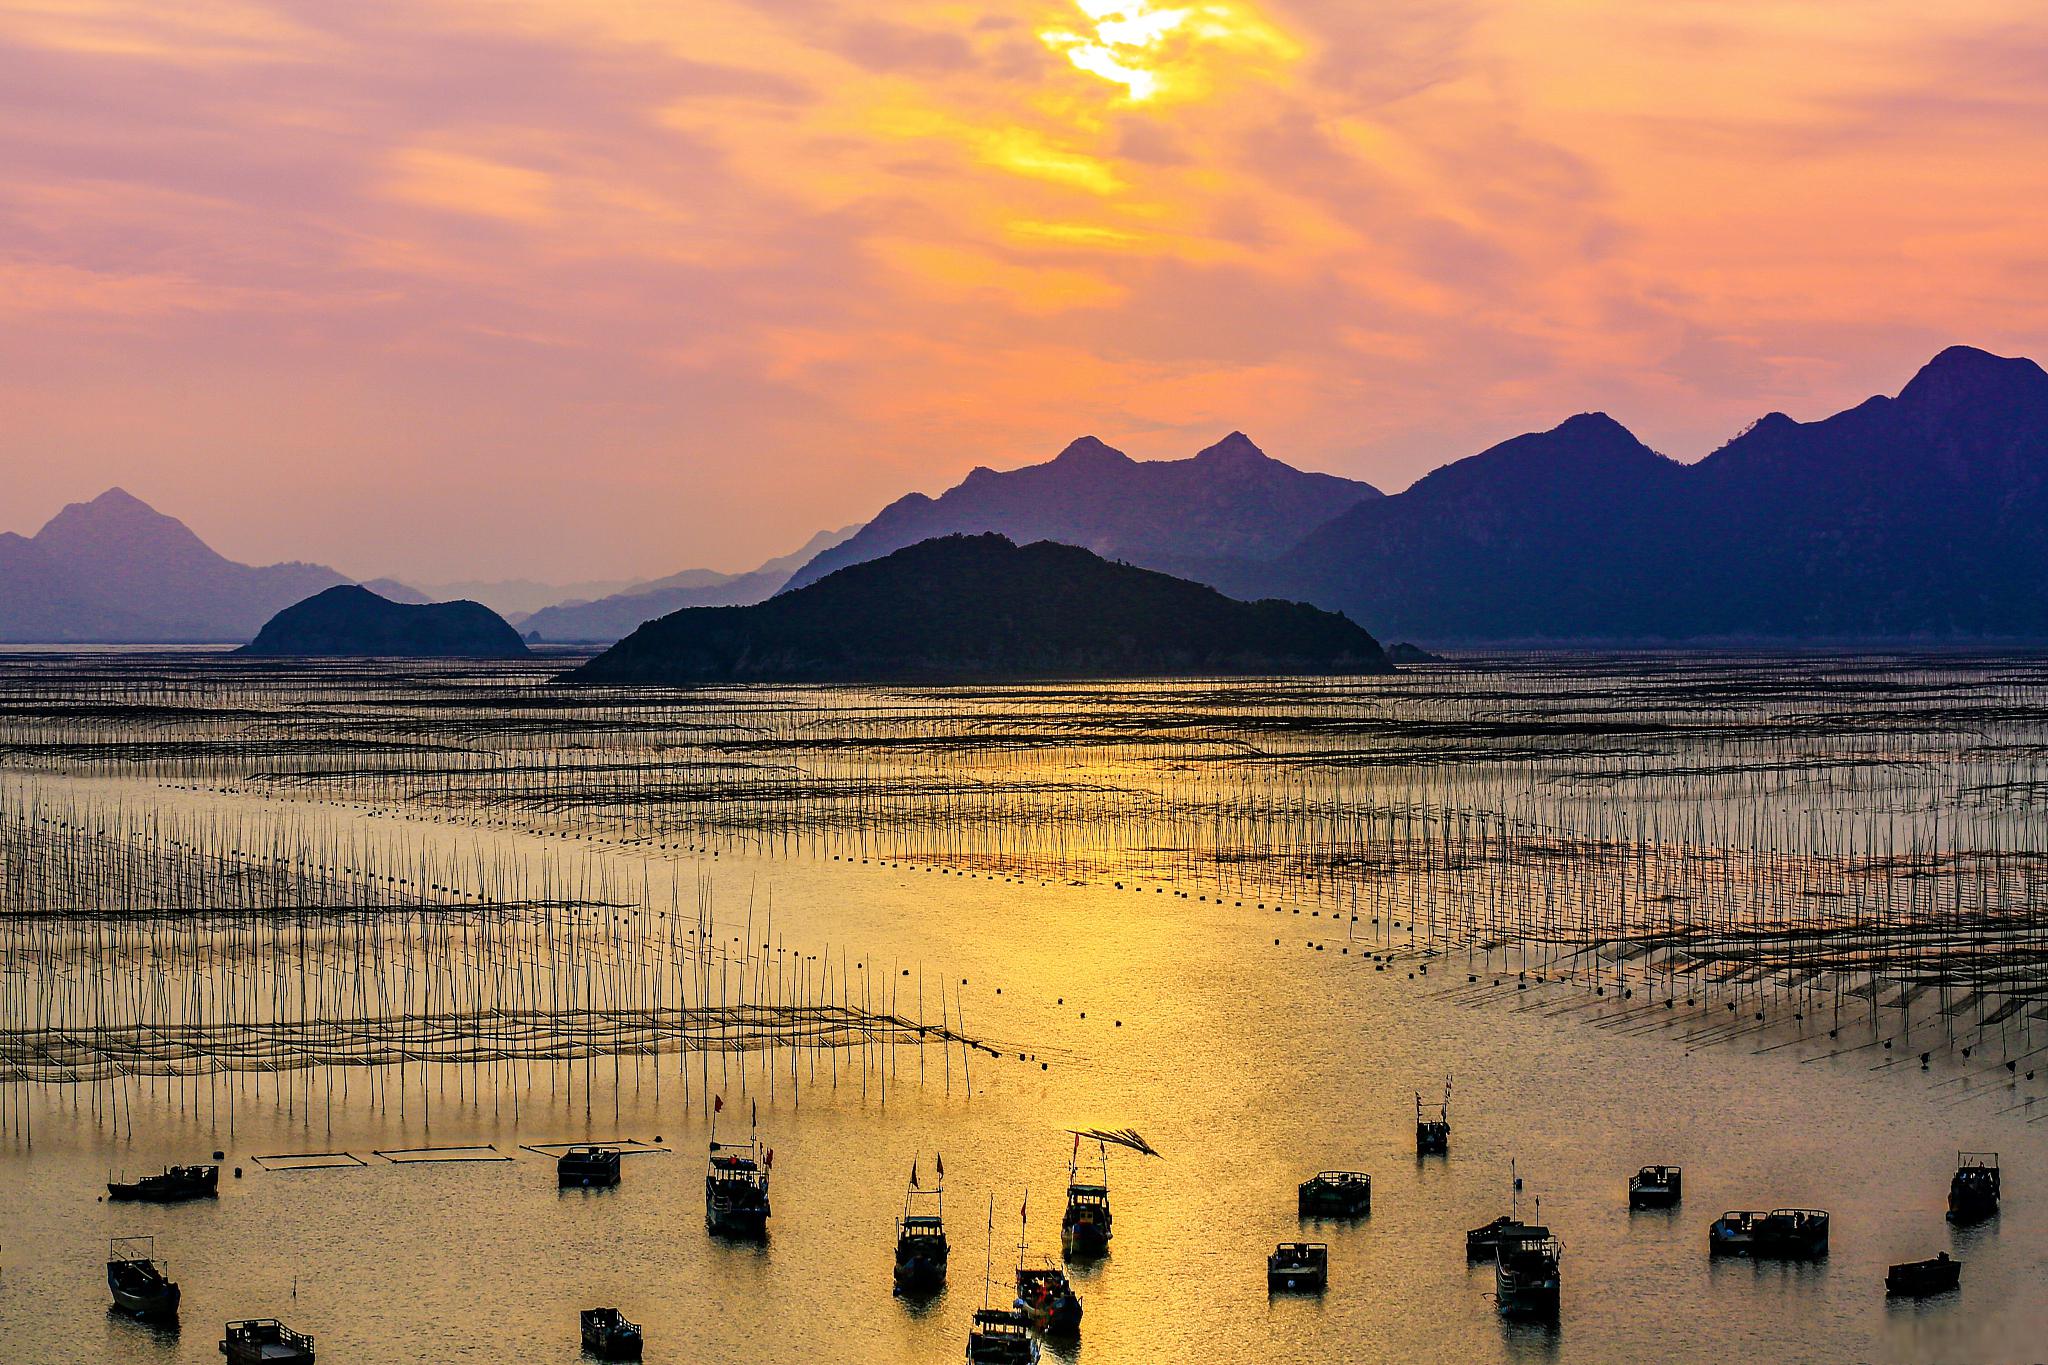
{"points": [[981, 608], [116, 570], [1230, 500], [353, 622], [1405, 653], [613, 618], [1924, 515]]}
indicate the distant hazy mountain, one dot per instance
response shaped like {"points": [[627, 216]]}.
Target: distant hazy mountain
{"points": [[613, 618], [115, 570], [391, 590], [1924, 515], [513, 598], [982, 608], [353, 622], [1231, 501]]}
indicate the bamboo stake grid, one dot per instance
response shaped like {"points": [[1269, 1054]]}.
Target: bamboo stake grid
{"points": [[1748, 826], [150, 946]]}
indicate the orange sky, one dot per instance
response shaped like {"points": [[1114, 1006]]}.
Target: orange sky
{"points": [[565, 288]]}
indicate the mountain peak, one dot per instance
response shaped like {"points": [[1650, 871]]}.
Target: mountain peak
{"points": [[1236, 447], [1088, 449], [1964, 375]]}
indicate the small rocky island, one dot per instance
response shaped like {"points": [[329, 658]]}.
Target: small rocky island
{"points": [[353, 622], [981, 608]]}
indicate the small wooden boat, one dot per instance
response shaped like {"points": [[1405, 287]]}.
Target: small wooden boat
{"points": [[137, 1279], [1000, 1337], [1335, 1194], [1047, 1299], [176, 1183], [1526, 1279], [921, 1248], [1483, 1243], [608, 1336], [1433, 1135], [1918, 1279], [1781, 1234], [1299, 1265], [587, 1168], [265, 1341], [1655, 1187], [1973, 1189], [1085, 1227], [736, 1189]]}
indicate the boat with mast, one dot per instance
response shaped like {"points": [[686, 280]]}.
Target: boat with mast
{"points": [[921, 1248], [999, 1336], [1045, 1296], [138, 1281], [1086, 1227], [736, 1181], [1433, 1135], [1526, 1278]]}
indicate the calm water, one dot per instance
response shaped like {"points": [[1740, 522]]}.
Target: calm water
{"points": [[1248, 1063]]}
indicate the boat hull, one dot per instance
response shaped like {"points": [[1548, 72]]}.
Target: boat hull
{"points": [[155, 1307], [920, 1273]]}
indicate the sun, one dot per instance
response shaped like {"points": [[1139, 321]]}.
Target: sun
{"points": [[1149, 49]]}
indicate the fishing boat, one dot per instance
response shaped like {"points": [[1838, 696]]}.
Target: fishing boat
{"points": [[1299, 1265], [609, 1336], [1781, 1234], [587, 1168], [137, 1279], [1046, 1297], [736, 1181], [1000, 1337], [1918, 1279], [1335, 1194], [1655, 1187], [1973, 1189], [1526, 1279], [921, 1236], [174, 1184], [1433, 1135], [265, 1341], [1085, 1227]]}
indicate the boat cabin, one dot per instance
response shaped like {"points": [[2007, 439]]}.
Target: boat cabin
{"points": [[1526, 1278], [1918, 1279], [587, 1168], [1973, 1189], [736, 1190], [1298, 1265], [1484, 1243], [609, 1336], [1788, 1234], [1655, 1187], [1000, 1337], [1085, 1228], [265, 1341], [1335, 1194]]}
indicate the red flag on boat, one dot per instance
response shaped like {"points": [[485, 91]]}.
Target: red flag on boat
{"points": [[1077, 1144], [939, 1158], [913, 1174], [718, 1104], [756, 1119], [770, 1162]]}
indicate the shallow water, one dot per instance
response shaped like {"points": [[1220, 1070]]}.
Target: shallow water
{"points": [[1164, 1006]]}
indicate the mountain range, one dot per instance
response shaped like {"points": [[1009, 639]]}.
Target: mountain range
{"points": [[116, 570], [1922, 516], [980, 608], [1230, 500]]}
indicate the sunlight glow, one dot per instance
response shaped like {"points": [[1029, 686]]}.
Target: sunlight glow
{"points": [[1146, 48]]}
